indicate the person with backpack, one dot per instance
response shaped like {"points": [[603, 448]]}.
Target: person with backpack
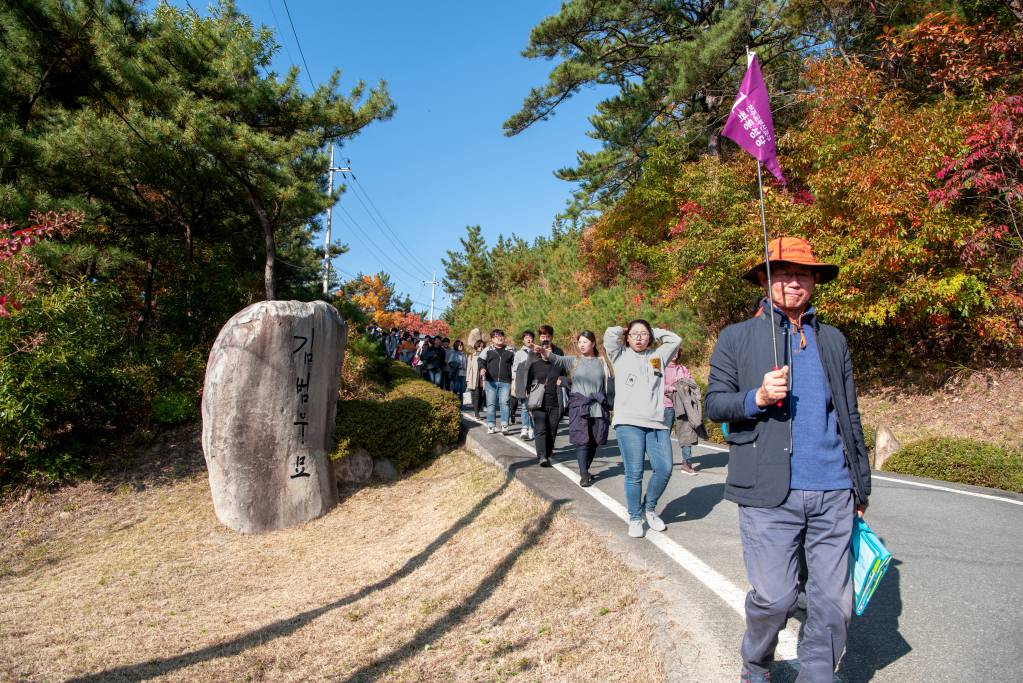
{"points": [[495, 372], [639, 414], [672, 374]]}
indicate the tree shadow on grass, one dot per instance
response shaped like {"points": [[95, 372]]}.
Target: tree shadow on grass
{"points": [[285, 627], [456, 615]]}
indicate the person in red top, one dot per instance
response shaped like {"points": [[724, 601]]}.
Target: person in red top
{"points": [[673, 373]]}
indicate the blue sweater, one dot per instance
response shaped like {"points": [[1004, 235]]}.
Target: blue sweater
{"points": [[818, 458]]}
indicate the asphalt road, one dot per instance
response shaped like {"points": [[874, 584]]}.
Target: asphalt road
{"points": [[949, 608]]}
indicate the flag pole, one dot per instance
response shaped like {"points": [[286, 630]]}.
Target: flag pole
{"points": [[769, 314]]}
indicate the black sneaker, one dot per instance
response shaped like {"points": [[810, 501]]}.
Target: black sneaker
{"points": [[585, 480], [546, 462]]}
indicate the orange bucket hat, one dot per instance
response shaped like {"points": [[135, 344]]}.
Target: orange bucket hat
{"points": [[794, 250]]}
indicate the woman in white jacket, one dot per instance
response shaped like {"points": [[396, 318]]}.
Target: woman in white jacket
{"points": [[639, 414]]}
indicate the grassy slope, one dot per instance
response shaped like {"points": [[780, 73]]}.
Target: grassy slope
{"points": [[452, 573]]}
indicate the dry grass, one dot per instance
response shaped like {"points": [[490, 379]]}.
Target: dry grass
{"points": [[453, 573]]}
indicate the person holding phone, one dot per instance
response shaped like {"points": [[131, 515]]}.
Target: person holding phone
{"points": [[639, 414], [589, 401]]}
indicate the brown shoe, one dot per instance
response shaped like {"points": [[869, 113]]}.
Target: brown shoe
{"points": [[686, 468]]}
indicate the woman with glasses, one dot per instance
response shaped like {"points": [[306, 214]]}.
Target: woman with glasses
{"points": [[639, 414]]}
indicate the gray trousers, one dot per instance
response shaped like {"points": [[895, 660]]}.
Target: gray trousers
{"points": [[770, 546]]}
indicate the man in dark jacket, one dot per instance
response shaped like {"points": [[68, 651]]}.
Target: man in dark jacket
{"points": [[797, 463], [495, 372]]}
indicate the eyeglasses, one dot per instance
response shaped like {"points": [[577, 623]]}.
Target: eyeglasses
{"points": [[639, 335]]}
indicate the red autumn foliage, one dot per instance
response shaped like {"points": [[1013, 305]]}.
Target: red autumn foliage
{"points": [[414, 323], [944, 51], [18, 271]]}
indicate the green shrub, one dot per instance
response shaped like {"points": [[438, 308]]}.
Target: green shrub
{"points": [[961, 460], [173, 407], [405, 425], [59, 381]]}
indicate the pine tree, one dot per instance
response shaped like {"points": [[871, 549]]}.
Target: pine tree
{"points": [[470, 270]]}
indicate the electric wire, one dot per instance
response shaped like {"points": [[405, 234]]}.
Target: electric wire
{"points": [[298, 43], [277, 25], [369, 241], [411, 260], [386, 226]]}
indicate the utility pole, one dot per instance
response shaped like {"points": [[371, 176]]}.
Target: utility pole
{"points": [[433, 291], [331, 169]]}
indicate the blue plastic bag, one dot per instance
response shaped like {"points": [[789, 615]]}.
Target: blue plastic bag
{"points": [[869, 559]]}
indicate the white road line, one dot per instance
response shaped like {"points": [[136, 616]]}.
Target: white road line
{"points": [[921, 484], [949, 490], [731, 594]]}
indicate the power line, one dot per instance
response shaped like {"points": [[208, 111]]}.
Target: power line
{"points": [[394, 243], [308, 73], [369, 242], [386, 226], [277, 24]]}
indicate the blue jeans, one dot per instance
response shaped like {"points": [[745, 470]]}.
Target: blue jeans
{"points": [[498, 393], [669, 422], [458, 385], [435, 376], [527, 417], [634, 442]]}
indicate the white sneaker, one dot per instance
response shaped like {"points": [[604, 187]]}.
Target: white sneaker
{"points": [[490, 429], [655, 522], [504, 429], [524, 434], [531, 434], [636, 528]]}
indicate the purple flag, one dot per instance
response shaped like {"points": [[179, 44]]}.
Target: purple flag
{"points": [[749, 124]]}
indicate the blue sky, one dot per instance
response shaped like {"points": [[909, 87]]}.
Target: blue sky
{"points": [[456, 73]]}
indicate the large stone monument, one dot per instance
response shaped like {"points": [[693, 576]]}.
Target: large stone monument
{"points": [[268, 411]]}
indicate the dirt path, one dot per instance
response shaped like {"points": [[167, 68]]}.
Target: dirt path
{"points": [[453, 573]]}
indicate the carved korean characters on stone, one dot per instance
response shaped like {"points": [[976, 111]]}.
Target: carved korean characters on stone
{"points": [[268, 410]]}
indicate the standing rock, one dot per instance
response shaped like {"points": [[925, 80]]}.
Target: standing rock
{"points": [[268, 410], [885, 446], [384, 469], [356, 467]]}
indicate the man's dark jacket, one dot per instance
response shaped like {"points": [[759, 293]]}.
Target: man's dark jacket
{"points": [[433, 358], [498, 362], [760, 447]]}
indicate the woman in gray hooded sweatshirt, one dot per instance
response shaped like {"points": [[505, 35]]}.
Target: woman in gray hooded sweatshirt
{"points": [[639, 414]]}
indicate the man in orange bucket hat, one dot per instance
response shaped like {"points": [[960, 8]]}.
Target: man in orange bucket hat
{"points": [[797, 460]]}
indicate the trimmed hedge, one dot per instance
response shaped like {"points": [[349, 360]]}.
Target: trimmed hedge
{"points": [[961, 460], [405, 425]]}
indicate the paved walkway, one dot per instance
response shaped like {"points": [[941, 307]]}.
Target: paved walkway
{"points": [[948, 609]]}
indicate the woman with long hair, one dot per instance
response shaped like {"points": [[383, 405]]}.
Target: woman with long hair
{"points": [[589, 383], [639, 414]]}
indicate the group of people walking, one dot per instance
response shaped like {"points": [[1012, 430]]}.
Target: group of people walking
{"points": [[632, 387], [437, 359], [781, 380]]}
